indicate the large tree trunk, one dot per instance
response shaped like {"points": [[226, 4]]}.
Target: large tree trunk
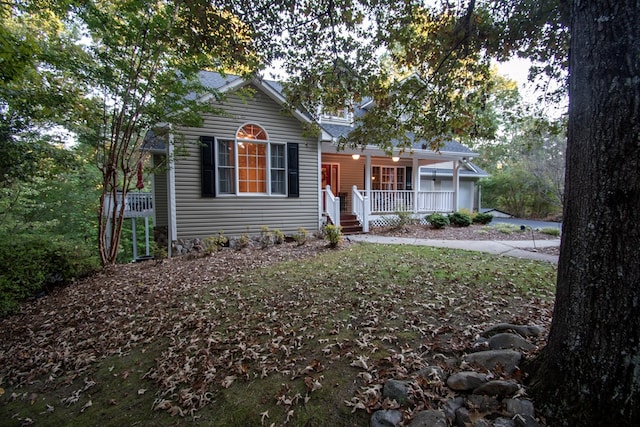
{"points": [[589, 373]]}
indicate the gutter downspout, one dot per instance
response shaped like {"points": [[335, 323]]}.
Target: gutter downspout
{"points": [[171, 195]]}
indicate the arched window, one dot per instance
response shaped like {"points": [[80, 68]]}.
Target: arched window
{"points": [[251, 131], [252, 145]]}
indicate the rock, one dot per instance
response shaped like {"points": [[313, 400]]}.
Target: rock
{"points": [[451, 407], [481, 422], [386, 418], [430, 418], [498, 388], [432, 373], [466, 380], [483, 403], [503, 422], [503, 341], [525, 421], [463, 417], [397, 390], [507, 359], [520, 407], [523, 330], [481, 344]]}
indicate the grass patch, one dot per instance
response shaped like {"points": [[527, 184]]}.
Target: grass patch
{"points": [[505, 228], [284, 344], [552, 231]]}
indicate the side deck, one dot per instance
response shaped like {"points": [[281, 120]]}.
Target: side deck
{"points": [[136, 204]]}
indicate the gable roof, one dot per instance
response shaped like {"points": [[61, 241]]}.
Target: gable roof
{"points": [[330, 131]]}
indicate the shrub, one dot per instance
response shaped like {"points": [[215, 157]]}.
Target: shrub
{"points": [[30, 265], [460, 219], [482, 218], [301, 236], [437, 220], [242, 242], [215, 243], [333, 235], [278, 237], [266, 237]]}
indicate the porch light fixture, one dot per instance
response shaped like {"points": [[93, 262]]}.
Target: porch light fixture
{"points": [[395, 159], [355, 156]]}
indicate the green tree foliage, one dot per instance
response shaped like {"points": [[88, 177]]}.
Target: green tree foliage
{"points": [[142, 62], [527, 167], [436, 81]]}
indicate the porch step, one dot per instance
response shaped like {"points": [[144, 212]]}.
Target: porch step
{"points": [[350, 224]]}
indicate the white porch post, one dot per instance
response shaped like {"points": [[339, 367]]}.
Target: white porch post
{"points": [[367, 174], [367, 192], [415, 179], [456, 184]]}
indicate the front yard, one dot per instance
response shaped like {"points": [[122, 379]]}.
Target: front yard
{"points": [[296, 335]]}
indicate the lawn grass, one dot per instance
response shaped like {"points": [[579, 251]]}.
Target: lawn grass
{"points": [[292, 342]]}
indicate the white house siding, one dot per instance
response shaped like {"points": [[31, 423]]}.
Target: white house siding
{"points": [[466, 199], [201, 217]]}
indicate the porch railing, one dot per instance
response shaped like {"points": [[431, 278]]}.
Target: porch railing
{"points": [[332, 206], [389, 201], [136, 204], [360, 207], [435, 201]]}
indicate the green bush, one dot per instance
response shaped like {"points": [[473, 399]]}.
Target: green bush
{"points": [[278, 237], [333, 235], [215, 243], [482, 218], [437, 220], [30, 265], [460, 219], [301, 236], [266, 237]]}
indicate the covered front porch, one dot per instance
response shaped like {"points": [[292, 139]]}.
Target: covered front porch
{"points": [[372, 185], [371, 206]]}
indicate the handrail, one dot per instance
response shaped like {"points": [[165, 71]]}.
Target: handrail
{"points": [[360, 207], [332, 206]]}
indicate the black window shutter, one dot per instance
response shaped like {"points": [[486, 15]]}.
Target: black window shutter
{"points": [[293, 176], [208, 161], [409, 177]]}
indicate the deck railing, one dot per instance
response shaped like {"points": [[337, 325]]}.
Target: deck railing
{"points": [[136, 204], [389, 201]]}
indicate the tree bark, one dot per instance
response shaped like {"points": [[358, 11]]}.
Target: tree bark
{"points": [[589, 373]]}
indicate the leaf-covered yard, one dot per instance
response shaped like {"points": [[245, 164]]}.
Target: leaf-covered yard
{"points": [[298, 335]]}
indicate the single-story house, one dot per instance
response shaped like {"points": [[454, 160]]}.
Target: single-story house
{"points": [[258, 166]]}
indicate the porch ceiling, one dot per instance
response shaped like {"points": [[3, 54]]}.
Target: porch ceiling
{"points": [[375, 151]]}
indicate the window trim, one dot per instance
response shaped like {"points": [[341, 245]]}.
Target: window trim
{"points": [[395, 176], [268, 169]]}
